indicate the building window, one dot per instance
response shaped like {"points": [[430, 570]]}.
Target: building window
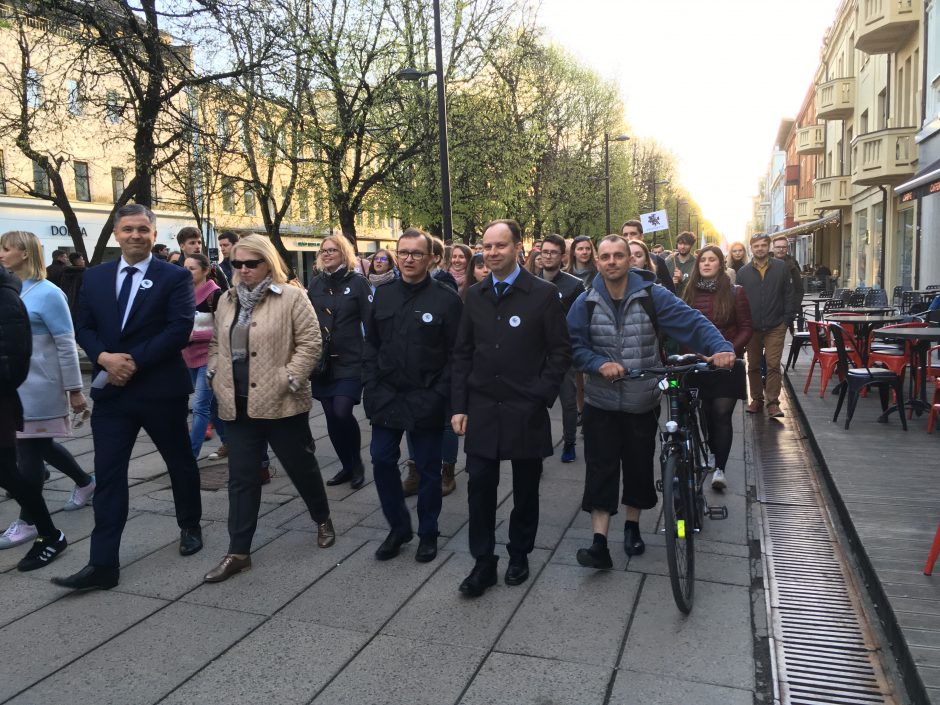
{"points": [[249, 201], [117, 183], [82, 185], [222, 129], [228, 195], [3, 174], [113, 109], [74, 96], [302, 204], [40, 179], [33, 88]]}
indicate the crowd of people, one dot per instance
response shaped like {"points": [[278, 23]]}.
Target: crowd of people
{"points": [[436, 342]]}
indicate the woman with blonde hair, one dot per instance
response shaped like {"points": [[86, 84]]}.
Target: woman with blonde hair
{"points": [[53, 386], [266, 343], [342, 300]]}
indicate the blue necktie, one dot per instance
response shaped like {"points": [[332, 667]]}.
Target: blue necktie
{"points": [[125, 293], [501, 288]]}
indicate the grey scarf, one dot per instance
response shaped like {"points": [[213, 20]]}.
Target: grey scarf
{"points": [[247, 299], [710, 285]]}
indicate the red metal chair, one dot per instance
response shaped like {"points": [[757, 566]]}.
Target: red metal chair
{"points": [[826, 355], [934, 405], [934, 552], [888, 356]]}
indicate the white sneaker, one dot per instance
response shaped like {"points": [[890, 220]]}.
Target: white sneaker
{"points": [[80, 496], [18, 532], [718, 480]]}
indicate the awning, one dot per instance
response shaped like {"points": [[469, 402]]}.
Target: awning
{"points": [[925, 182], [810, 227]]}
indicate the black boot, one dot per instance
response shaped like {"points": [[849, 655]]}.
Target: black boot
{"points": [[482, 576], [632, 543]]}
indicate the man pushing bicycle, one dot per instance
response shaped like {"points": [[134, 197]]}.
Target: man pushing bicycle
{"points": [[615, 327]]}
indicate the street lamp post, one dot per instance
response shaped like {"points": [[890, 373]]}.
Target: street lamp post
{"points": [[412, 74], [679, 202], [606, 177]]}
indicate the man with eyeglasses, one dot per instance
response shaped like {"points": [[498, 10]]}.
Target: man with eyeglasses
{"points": [[406, 377], [569, 288], [511, 355]]}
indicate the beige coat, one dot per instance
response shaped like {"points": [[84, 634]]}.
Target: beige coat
{"points": [[283, 348]]}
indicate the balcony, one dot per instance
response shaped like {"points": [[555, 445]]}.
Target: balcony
{"points": [[803, 210], [811, 139], [832, 192], [884, 26], [884, 157], [835, 99]]}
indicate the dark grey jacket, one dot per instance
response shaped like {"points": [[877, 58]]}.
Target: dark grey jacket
{"points": [[772, 298]]}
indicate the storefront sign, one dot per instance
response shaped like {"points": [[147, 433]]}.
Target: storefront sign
{"points": [[63, 231]]}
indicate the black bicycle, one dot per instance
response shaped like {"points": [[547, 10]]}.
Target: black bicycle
{"points": [[684, 463]]}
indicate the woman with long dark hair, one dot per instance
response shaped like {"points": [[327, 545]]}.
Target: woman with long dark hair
{"points": [[476, 272], [640, 256], [583, 260], [382, 268], [459, 263], [724, 304]]}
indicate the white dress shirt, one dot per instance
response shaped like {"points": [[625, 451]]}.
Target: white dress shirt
{"points": [[139, 276]]}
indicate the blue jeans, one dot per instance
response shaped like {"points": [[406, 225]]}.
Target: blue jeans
{"points": [[386, 450], [448, 445], [203, 408]]}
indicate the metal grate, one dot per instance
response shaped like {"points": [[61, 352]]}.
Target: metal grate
{"points": [[823, 647]]}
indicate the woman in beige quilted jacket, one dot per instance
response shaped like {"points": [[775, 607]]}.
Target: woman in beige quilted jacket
{"points": [[266, 344]]}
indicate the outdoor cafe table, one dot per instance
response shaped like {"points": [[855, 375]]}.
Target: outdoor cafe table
{"points": [[872, 310], [816, 300], [921, 338], [863, 325]]}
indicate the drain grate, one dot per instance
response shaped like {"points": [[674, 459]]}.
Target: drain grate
{"points": [[824, 650]]}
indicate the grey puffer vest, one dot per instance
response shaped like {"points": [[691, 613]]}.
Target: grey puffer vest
{"points": [[632, 343]]}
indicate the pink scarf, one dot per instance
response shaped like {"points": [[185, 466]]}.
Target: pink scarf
{"points": [[458, 276], [204, 290]]}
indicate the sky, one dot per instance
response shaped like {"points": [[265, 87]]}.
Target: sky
{"points": [[710, 80]]}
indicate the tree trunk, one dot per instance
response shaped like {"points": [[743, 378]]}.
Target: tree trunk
{"points": [[347, 224], [61, 200]]}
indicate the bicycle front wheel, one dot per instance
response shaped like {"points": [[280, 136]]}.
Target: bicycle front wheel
{"points": [[679, 521]]}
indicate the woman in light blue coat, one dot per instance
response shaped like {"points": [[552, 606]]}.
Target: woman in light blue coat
{"points": [[54, 384]]}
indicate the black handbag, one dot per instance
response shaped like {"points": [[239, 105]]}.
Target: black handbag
{"points": [[321, 370]]}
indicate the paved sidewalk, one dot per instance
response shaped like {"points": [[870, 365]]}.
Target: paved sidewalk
{"points": [[335, 626], [885, 485]]}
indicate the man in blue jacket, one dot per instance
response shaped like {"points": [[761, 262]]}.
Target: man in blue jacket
{"points": [[614, 328]]}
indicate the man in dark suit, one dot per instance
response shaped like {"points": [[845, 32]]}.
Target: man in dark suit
{"points": [[133, 319], [511, 354]]}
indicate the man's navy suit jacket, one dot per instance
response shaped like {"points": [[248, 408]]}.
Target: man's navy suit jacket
{"points": [[157, 329]]}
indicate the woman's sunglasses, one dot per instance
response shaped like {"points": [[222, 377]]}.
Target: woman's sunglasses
{"points": [[249, 263]]}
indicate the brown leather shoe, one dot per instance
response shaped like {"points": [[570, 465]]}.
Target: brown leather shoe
{"points": [[755, 406], [326, 534], [229, 566], [448, 483], [410, 484], [773, 410]]}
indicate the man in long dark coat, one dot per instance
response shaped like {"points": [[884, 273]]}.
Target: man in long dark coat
{"points": [[510, 358]]}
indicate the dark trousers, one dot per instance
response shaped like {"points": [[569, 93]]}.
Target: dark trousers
{"points": [[115, 423], [25, 493], [292, 443], [386, 451], [34, 453], [615, 442], [568, 398], [524, 519]]}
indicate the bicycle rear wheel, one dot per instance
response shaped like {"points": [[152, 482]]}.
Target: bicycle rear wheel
{"points": [[679, 520]]}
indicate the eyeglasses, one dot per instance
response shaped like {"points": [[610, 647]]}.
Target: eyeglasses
{"points": [[551, 253], [329, 251], [249, 263], [380, 259], [411, 254]]}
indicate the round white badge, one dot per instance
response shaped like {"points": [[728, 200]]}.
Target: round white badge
{"points": [[515, 321], [559, 294], [370, 298], [347, 290], [427, 318], [145, 284]]}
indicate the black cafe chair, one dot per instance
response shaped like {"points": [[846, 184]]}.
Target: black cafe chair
{"points": [[859, 378], [876, 297]]}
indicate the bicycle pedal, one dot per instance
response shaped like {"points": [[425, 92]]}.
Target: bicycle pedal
{"points": [[717, 513]]}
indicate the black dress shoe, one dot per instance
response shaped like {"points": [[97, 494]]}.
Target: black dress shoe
{"points": [[597, 557], [190, 541], [427, 549], [91, 577], [339, 478], [517, 572], [392, 545], [482, 576], [632, 543], [357, 478]]}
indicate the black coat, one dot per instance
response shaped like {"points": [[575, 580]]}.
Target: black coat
{"points": [[569, 288], [342, 301], [16, 347], [663, 273], [409, 341], [509, 361]]}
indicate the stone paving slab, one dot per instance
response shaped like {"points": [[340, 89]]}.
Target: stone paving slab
{"points": [[635, 688], [22, 596]]}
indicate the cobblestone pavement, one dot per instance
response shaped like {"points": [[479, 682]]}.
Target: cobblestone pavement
{"points": [[335, 626]]}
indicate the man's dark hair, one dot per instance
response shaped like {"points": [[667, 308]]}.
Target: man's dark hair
{"points": [[633, 224], [74, 257], [757, 237], [186, 234], [614, 238], [228, 235], [57, 253], [686, 237], [132, 209], [556, 240], [415, 233], [509, 223], [204, 263]]}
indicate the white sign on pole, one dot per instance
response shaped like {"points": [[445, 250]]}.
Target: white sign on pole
{"points": [[655, 221]]}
